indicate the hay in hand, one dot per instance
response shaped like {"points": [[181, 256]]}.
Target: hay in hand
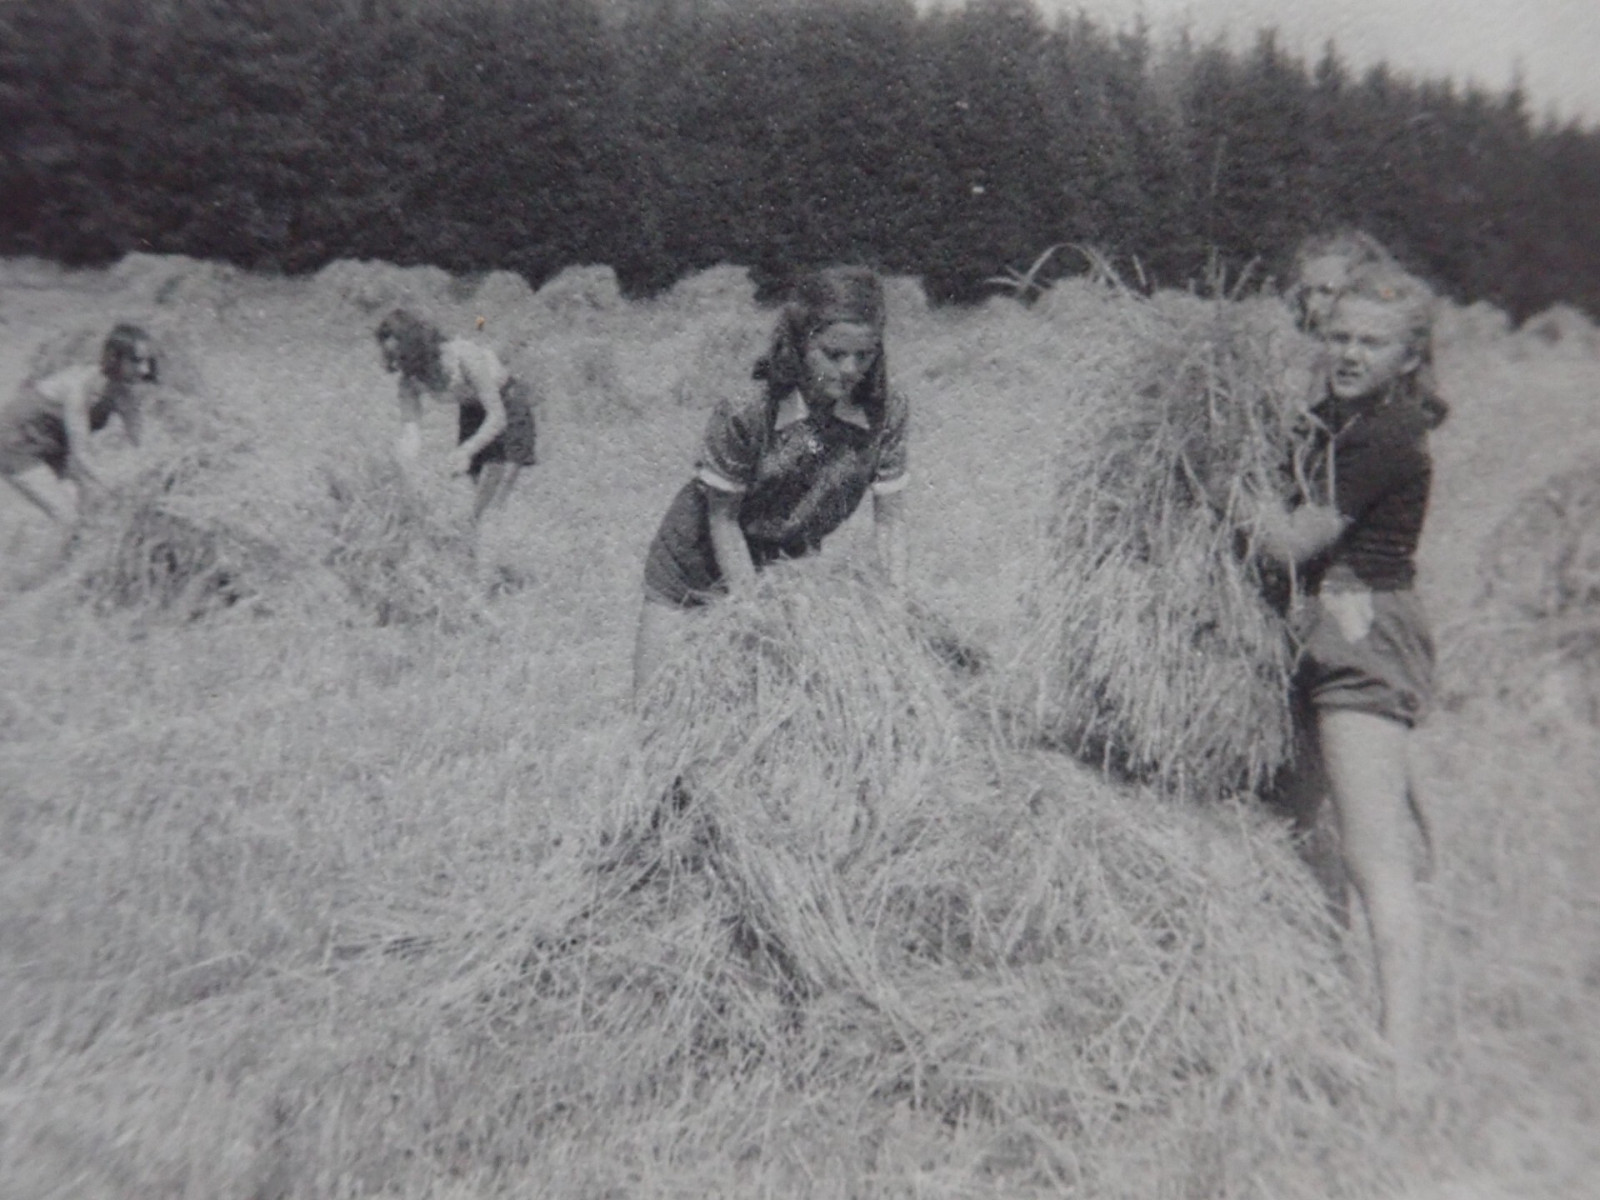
{"points": [[1147, 642]]}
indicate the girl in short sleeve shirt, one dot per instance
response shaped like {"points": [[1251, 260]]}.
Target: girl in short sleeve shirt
{"points": [[786, 464]]}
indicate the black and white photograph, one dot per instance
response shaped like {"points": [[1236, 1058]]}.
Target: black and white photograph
{"points": [[799, 600]]}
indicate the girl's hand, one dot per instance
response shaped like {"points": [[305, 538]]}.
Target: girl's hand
{"points": [[409, 444], [459, 462]]}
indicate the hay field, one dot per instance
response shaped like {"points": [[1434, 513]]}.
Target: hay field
{"points": [[326, 874]]}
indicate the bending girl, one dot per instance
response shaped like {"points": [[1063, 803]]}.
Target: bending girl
{"points": [[786, 463], [49, 421], [496, 431]]}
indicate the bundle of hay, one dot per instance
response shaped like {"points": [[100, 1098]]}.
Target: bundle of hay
{"points": [[150, 546], [801, 728], [1561, 327], [1147, 642], [580, 295], [1535, 631], [821, 908], [401, 557], [212, 511]]}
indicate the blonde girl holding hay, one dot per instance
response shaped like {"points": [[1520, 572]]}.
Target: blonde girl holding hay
{"points": [[495, 414], [784, 464], [1366, 650]]}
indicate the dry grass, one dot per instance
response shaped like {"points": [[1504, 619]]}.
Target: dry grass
{"points": [[1536, 623], [1146, 641], [294, 904]]}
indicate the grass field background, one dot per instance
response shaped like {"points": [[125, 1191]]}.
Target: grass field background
{"points": [[254, 861]]}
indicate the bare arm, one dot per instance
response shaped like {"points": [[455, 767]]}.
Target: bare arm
{"points": [[889, 533], [487, 377], [409, 443], [727, 540], [75, 417]]}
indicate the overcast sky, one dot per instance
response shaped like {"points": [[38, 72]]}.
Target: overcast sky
{"points": [[1555, 43]]}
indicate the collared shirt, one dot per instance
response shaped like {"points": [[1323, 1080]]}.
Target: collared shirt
{"points": [[801, 473]]}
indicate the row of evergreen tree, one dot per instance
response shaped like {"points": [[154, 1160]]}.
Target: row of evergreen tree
{"points": [[663, 136]]}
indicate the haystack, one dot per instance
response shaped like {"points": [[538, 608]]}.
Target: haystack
{"points": [[1561, 327], [816, 887], [1148, 643], [213, 512], [718, 290], [1534, 634], [581, 294]]}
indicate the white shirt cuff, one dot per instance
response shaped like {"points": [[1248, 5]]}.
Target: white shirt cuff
{"points": [[718, 483]]}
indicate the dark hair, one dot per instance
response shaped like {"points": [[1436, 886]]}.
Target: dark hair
{"points": [[122, 346], [821, 298], [419, 347]]}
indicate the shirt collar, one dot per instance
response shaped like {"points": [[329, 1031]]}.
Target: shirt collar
{"points": [[793, 408]]}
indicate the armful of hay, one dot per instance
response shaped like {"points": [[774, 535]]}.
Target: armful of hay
{"points": [[1293, 537]]}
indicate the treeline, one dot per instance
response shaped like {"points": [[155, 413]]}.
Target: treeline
{"points": [[662, 136]]}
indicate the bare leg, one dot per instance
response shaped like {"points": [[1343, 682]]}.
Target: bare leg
{"points": [[32, 497], [1365, 756], [494, 486], [1299, 794], [659, 626]]}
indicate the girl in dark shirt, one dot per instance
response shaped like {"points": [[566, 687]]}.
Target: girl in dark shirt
{"points": [[787, 462], [1366, 651]]}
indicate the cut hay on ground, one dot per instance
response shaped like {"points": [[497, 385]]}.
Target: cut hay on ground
{"points": [[1146, 641], [211, 512], [818, 904]]}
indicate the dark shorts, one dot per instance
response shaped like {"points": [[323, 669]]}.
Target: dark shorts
{"points": [[681, 568], [517, 441], [1368, 652]]}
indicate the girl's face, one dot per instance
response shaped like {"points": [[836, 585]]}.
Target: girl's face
{"points": [[1318, 289], [389, 345], [838, 357], [1370, 348]]}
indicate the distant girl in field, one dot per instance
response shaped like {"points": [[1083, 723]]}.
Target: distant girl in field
{"points": [[786, 463], [1366, 652], [48, 422], [496, 433]]}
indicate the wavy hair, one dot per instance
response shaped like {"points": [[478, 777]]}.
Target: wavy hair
{"points": [[1355, 248], [1415, 303], [121, 347], [821, 298], [419, 340]]}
